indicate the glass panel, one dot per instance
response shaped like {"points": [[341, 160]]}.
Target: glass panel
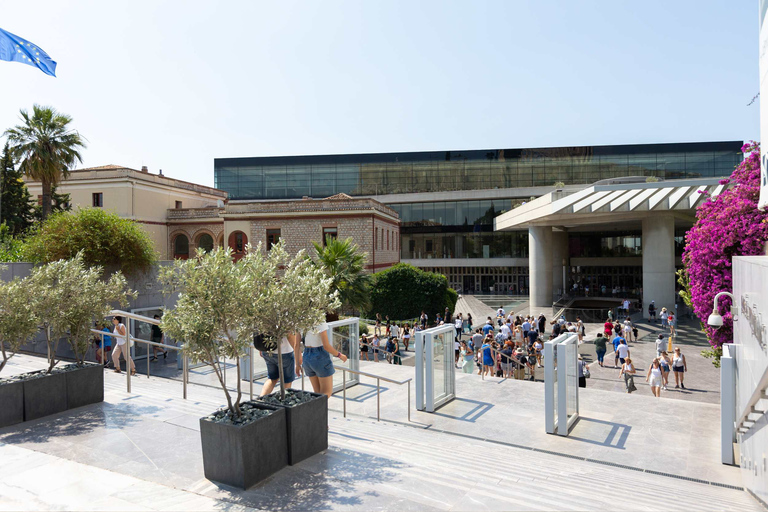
{"points": [[439, 343]]}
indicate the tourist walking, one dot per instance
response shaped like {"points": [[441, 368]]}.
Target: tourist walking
{"points": [[600, 348], [488, 360], [580, 329], [316, 361], [628, 372], [622, 351], [542, 321], [291, 364], [458, 323], [663, 317], [679, 367], [654, 377], [377, 327], [608, 328], [394, 330], [375, 343], [665, 364], [467, 358], [389, 325], [396, 358], [616, 343], [122, 348], [157, 337], [628, 330], [406, 336], [672, 322], [652, 311], [582, 368], [364, 348], [469, 322]]}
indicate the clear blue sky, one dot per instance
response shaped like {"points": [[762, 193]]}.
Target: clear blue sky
{"points": [[173, 85]]}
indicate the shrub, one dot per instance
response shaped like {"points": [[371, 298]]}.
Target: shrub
{"points": [[726, 226], [403, 291], [103, 237], [18, 322], [452, 298]]}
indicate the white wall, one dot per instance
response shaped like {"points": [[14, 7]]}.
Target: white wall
{"points": [[750, 287]]}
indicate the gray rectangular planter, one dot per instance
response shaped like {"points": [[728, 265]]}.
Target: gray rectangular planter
{"points": [[85, 385], [307, 425], [44, 395], [11, 403], [242, 456]]}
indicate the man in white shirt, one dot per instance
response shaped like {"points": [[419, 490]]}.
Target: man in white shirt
{"points": [[458, 323], [501, 312], [622, 351], [394, 330], [506, 330]]}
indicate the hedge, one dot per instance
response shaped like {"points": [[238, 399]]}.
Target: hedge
{"points": [[403, 291]]}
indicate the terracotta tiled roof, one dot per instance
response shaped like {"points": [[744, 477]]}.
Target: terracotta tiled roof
{"points": [[339, 196]]}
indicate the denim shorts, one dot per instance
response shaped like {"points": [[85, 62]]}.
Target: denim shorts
{"points": [[273, 371], [317, 362]]}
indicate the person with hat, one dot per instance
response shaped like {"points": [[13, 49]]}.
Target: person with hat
{"points": [[663, 317]]}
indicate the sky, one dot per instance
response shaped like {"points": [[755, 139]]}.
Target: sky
{"points": [[173, 85]]}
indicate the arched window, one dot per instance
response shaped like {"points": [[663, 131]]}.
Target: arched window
{"points": [[205, 242], [237, 242], [181, 247]]}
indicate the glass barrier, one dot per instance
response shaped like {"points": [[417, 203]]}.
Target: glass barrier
{"points": [[344, 336], [435, 369]]}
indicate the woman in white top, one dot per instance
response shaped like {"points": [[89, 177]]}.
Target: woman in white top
{"points": [[679, 367], [291, 364], [628, 371], [317, 362], [664, 316], [627, 330], [122, 347], [654, 377]]}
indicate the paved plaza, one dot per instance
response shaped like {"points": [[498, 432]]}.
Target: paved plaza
{"points": [[486, 450]]}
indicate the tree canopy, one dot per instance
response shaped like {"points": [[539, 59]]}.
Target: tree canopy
{"points": [[403, 291], [104, 238]]}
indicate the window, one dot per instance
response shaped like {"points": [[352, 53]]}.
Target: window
{"points": [[181, 247], [273, 236], [98, 199], [329, 232], [387, 239], [429, 246], [205, 242], [376, 239], [178, 205], [237, 242]]}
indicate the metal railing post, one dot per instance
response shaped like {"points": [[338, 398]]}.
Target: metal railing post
{"points": [[153, 353], [344, 387], [128, 359], [103, 357], [250, 375], [185, 374], [378, 399], [409, 401]]}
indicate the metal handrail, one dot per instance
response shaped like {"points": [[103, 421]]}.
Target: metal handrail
{"points": [[760, 393], [378, 378]]}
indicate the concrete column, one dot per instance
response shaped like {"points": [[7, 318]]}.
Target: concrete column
{"points": [[540, 266], [559, 253], [659, 262]]}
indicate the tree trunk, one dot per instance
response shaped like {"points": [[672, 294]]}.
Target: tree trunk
{"points": [[280, 371], [46, 199]]}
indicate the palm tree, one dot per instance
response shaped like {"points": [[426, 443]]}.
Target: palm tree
{"points": [[47, 148], [344, 262]]}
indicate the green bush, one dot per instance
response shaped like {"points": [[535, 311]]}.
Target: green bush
{"points": [[403, 291], [104, 238], [453, 297]]}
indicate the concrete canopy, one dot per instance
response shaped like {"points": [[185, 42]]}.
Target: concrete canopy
{"points": [[609, 203]]}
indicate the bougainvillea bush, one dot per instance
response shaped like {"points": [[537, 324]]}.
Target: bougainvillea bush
{"points": [[727, 225]]}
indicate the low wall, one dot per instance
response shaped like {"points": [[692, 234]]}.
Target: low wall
{"points": [[150, 295]]}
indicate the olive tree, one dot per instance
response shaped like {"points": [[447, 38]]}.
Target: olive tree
{"points": [[215, 311], [68, 296], [18, 322], [295, 300]]}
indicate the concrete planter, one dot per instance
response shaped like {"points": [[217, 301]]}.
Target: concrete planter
{"points": [[12, 403], [307, 425], [242, 456], [44, 395], [85, 385]]}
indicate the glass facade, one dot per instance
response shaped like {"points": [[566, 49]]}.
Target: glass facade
{"points": [[434, 171], [605, 244], [464, 245]]}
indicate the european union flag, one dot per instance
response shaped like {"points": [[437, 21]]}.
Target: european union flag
{"points": [[15, 49]]}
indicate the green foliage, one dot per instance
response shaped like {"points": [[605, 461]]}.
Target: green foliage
{"points": [[403, 291], [344, 263], [18, 322], [452, 297], [10, 246], [363, 329], [68, 296], [104, 239], [715, 354], [652, 179], [15, 201], [558, 184], [59, 203], [46, 146]]}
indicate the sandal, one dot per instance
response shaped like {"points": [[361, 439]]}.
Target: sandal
{"points": [[133, 372], [117, 370]]}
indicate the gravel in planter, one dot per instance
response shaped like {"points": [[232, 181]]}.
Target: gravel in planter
{"points": [[292, 397], [250, 413]]}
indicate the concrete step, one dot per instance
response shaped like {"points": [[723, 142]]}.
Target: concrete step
{"points": [[518, 477]]}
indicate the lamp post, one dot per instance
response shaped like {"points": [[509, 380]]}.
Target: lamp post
{"points": [[715, 320]]}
